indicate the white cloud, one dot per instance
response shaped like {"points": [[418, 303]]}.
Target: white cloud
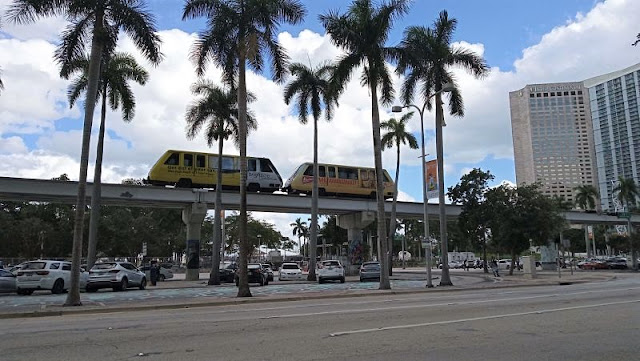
{"points": [[43, 28]]}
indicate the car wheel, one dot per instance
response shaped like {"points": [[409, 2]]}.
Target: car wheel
{"points": [[262, 280], [58, 287], [124, 284], [23, 292], [361, 280], [237, 283], [90, 289], [320, 280], [143, 283], [341, 279], [161, 278]]}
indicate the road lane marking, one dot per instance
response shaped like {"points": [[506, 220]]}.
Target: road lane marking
{"points": [[538, 312]]}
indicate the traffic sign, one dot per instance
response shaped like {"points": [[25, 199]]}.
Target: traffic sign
{"points": [[626, 215]]}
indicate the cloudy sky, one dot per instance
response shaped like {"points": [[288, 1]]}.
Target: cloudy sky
{"points": [[523, 42]]}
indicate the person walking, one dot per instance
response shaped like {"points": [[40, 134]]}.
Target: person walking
{"points": [[153, 272], [494, 268]]}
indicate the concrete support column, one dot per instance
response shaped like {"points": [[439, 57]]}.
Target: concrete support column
{"points": [[354, 223], [193, 216]]}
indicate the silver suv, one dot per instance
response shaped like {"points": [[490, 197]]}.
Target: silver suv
{"points": [[116, 275]]}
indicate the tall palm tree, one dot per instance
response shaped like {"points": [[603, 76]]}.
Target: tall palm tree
{"points": [[99, 21], [117, 70], [312, 88], [242, 32], [586, 196], [217, 111], [628, 195], [362, 33], [426, 57], [397, 135], [299, 229]]}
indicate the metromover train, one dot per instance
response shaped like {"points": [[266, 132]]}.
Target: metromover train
{"points": [[186, 169]]}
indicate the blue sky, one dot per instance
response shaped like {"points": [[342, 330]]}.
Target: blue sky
{"points": [[522, 41]]}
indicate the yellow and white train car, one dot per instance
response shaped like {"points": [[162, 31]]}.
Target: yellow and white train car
{"points": [[196, 169], [339, 180]]}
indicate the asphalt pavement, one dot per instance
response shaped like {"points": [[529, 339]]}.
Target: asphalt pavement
{"points": [[179, 293]]}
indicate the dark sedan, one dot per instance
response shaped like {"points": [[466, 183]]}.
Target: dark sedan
{"points": [[228, 273], [255, 273], [370, 271]]}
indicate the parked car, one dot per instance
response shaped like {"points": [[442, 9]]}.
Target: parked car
{"points": [[267, 269], [290, 271], [370, 271], [227, 274], [594, 264], [330, 270], [616, 263], [116, 275], [165, 273], [255, 273], [7, 281], [46, 275], [452, 264], [16, 268]]}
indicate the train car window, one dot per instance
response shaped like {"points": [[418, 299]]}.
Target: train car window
{"points": [[386, 178], [188, 160], [347, 173], [252, 165], [332, 172], [227, 163], [309, 170], [363, 175], [174, 159], [213, 161], [321, 172], [265, 166], [200, 161]]}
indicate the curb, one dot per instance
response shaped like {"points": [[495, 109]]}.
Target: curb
{"points": [[265, 299]]}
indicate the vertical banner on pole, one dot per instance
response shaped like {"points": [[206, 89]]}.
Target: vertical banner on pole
{"points": [[432, 179]]}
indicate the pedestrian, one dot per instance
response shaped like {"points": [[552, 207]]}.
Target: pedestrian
{"points": [[466, 265], [153, 272], [494, 268]]}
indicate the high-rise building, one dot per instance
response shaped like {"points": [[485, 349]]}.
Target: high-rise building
{"points": [[553, 137], [616, 127]]}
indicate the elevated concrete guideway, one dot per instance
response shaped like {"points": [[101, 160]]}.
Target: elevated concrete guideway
{"points": [[21, 189]]}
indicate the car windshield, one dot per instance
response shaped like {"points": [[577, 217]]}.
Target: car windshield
{"points": [[253, 266], [104, 265], [35, 265], [371, 266], [290, 266], [330, 264]]}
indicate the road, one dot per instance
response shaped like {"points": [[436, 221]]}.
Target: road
{"points": [[592, 321]]}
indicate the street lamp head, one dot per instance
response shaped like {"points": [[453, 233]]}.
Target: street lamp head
{"points": [[396, 108]]}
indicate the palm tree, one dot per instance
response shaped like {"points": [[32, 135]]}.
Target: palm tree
{"points": [[116, 71], [362, 32], [313, 89], [217, 111], [100, 21], [397, 135], [426, 56], [242, 32], [628, 194], [586, 196], [299, 229]]}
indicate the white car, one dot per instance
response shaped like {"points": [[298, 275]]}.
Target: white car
{"points": [[116, 275], [46, 275], [330, 270], [290, 272]]}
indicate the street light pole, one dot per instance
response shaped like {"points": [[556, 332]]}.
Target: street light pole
{"points": [[425, 199], [259, 245]]}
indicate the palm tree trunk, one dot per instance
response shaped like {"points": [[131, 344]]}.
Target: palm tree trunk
{"points": [[392, 221], [586, 239], [383, 255], [634, 258], [314, 207], [73, 297], [243, 281], [214, 276], [445, 279], [96, 194]]}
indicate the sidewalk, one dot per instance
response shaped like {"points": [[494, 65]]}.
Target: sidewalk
{"points": [[176, 293]]}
